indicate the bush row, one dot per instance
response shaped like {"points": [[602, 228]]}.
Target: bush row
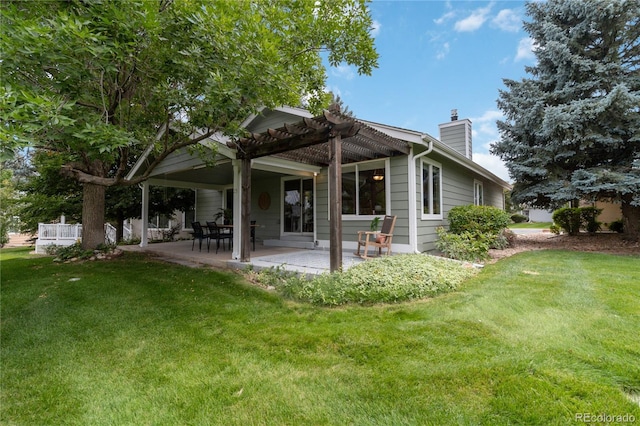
{"points": [[573, 219]]}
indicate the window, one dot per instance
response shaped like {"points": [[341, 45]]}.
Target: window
{"points": [[431, 190], [161, 221], [478, 193], [364, 189]]}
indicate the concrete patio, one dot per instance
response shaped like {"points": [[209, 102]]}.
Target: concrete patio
{"points": [[310, 262]]}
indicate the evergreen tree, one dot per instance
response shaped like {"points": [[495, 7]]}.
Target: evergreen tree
{"points": [[572, 129]]}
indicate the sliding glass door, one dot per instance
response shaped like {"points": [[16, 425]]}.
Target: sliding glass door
{"points": [[297, 211]]}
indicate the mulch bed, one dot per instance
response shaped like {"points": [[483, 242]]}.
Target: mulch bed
{"points": [[611, 243]]}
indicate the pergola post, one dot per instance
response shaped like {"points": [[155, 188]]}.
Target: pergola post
{"points": [[237, 207], [245, 211], [335, 203]]}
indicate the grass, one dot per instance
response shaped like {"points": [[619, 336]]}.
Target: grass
{"points": [[537, 338], [531, 225]]}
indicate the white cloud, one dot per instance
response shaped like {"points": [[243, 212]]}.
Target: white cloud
{"points": [[484, 127], [375, 28], [474, 21], [508, 20], [488, 116], [492, 163], [444, 18], [525, 50], [443, 51], [343, 71]]}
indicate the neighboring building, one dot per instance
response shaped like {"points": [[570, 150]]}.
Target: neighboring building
{"points": [[290, 199], [610, 212]]}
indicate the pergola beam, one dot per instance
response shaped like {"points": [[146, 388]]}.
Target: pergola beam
{"points": [[327, 140]]}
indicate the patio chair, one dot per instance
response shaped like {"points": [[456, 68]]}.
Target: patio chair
{"points": [[199, 233], [375, 239], [216, 234]]}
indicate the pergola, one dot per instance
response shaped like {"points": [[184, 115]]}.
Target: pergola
{"points": [[331, 139]]}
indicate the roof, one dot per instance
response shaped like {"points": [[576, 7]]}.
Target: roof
{"points": [[307, 141]]}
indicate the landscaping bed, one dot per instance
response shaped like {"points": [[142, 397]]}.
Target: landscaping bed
{"points": [[611, 243]]}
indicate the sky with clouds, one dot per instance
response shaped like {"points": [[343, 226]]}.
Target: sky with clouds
{"points": [[436, 56]]}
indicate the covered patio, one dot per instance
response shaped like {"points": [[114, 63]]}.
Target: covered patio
{"points": [[299, 146], [309, 262]]}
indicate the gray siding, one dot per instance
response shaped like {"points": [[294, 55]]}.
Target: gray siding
{"points": [[457, 190], [179, 160], [457, 135], [208, 203]]}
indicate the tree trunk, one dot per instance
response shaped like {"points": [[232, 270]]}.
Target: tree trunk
{"points": [[93, 202], [630, 218]]}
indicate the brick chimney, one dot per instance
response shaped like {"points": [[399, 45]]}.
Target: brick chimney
{"points": [[457, 134]]}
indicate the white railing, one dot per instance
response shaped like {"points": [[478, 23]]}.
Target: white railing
{"points": [[59, 231], [60, 234], [110, 233]]}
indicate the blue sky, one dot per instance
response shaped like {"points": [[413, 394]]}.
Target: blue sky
{"points": [[436, 56]]}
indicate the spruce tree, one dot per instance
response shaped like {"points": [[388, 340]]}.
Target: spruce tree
{"points": [[572, 128]]}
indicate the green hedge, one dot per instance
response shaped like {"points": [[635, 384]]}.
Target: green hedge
{"points": [[473, 230], [477, 219], [573, 219]]}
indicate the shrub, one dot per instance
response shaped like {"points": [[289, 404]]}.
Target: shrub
{"points": [[4, 234], [617, 226], [555, 229], [568, 219], [518, 218], [504, 239], [467, 246], [387, 279], [74, 251], [477, 219], [472, 231], [571, 220], [589, 217]]}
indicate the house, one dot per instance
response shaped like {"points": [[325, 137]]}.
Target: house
{"points": [[382, 170]]}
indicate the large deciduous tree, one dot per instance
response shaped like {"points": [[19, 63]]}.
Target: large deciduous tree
{"points": [[98, 80], [572, 130]]}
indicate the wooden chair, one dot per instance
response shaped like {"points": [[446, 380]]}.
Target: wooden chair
{"points": [[375, 239]]}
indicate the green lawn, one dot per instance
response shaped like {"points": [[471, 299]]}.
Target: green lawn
{"points": [[534, 339], [531, 225]]}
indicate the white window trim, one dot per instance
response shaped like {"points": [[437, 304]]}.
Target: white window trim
{"points": [[478, 184], [429, 163], [387, 191]]}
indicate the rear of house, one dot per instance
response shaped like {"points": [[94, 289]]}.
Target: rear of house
{"points": [[290, 199]]}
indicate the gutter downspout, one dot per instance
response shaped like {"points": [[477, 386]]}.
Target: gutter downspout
{"points": [[413, 219]]}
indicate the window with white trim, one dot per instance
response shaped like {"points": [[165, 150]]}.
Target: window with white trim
{"points": [[478, 193], [431, 189], [364, 188]]}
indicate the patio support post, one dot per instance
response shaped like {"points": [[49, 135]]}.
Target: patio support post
{"points": [[245, 212], [145, 214], [237, 207], [335, 203]]}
